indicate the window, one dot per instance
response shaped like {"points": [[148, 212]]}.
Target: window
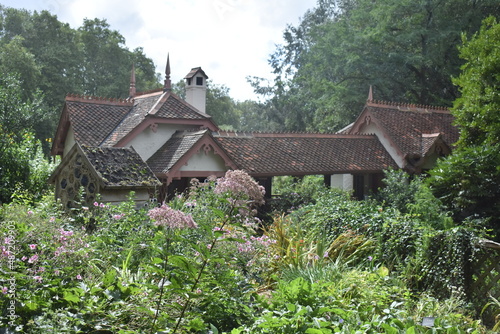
{"points": [[199, 81]]}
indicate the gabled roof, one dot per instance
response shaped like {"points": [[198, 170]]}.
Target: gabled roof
{"points": [[92, 119], [406, 124], [262, 154], [174, 149], [180, 148], [194, 71], [120, 167], [107, 122], [112, 166]]}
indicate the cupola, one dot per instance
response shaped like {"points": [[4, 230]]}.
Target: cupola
{"points": [[196, 88]]}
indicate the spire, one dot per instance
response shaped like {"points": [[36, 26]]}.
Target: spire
{"points": [[131, 92], [168, 84], [370, 95]]}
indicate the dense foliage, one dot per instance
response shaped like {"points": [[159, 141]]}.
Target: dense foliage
{"points": [[406, 49], [201, 264], [51, 57], [468, 181]]}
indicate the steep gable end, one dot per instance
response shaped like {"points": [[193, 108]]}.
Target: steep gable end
{"points": [[92, 119], [405, 129]]}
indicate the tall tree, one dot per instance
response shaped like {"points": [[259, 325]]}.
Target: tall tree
{"points": [[469, 180], [222, 107], [407, 49]]}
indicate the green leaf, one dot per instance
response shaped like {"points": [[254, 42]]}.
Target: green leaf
{"points": [[389, 329], [313, 331], [70, 297], [184, 264], [411, 330], [109, 277]]}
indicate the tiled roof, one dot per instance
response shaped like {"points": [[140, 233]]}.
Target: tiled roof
{"points": [[136, 115], [174, 107], [407, 124], [120, 167], [93, 120], [293, 154], [99, 122], [193, 72], [428, 140], [174, 149]]}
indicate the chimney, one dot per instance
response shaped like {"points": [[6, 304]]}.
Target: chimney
{"points": [[196, 88], [131, 92]]}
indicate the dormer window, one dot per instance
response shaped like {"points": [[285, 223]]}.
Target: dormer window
{"points": [[188, 81], [199, 81]]}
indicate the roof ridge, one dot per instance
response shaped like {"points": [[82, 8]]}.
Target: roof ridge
{"points": [[409, 106], [98, 99], [157, 90], [285, 134]]}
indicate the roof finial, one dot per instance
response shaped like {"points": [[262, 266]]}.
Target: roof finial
{"points": [[168, 84], [370, 95], [131, 92]]}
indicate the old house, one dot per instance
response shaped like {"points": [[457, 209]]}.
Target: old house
{"points": [[154, 143]]}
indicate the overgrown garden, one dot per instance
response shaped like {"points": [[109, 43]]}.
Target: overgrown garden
{"points": [[205, 262]]}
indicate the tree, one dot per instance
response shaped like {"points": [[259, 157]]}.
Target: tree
{"points": [[222, 107], [22, 165], [406, 49], [469, 180]]}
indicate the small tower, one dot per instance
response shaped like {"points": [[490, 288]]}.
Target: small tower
{"points": [[196, 88]]}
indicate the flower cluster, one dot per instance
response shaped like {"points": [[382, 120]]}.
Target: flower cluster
{"points": [[170, 218], [240, 184]]}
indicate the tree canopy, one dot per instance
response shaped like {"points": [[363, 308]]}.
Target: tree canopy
{"points": [[469, 180], [406, 49], [51, 59]]}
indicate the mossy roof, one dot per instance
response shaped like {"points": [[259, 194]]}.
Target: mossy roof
{"points": [[120, 167]]}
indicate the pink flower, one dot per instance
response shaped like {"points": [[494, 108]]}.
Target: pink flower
{"points": [[5, 290], [78, 276], [24, 258], [96, 204], [52, 219], [30, 212], [170, 218], [33, 259], [240, 184], [5, 252], [33, 246], [38, 279]]}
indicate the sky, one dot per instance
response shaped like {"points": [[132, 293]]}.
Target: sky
{"points": [[229, 39]]}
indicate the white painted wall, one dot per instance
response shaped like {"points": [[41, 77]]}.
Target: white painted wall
{"points": [[373, 129], [202, 161], [116, 196], [148, 142], [69, 142], [342, 181], [197, 95]]}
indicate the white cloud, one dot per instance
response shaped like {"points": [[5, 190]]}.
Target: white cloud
{"points": [[229, 39]]}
